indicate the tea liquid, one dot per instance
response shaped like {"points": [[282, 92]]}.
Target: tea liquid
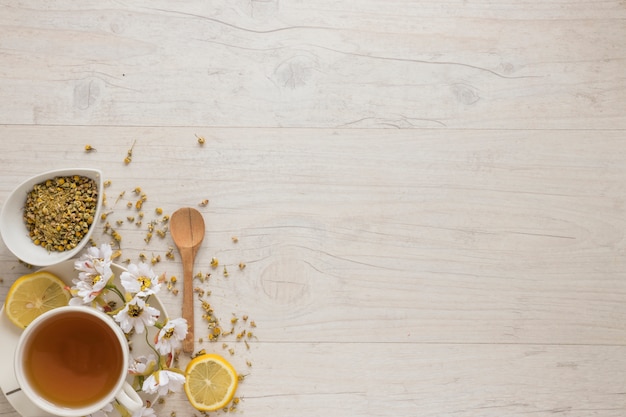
{"points": [[74, 360]]}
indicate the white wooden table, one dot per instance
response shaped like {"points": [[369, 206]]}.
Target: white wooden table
{"points": [[429, 197]]}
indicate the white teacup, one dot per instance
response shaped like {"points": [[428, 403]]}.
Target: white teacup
{"points": [[72, 361]]}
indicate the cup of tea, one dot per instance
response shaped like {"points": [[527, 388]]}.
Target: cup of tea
{"points": [[72, 361]]}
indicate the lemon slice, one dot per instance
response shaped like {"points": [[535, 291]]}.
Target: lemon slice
{"points": [[210, 383], [34, 294]]}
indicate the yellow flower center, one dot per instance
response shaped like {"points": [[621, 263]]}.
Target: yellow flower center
{"points": [[134, 310], [95, 279], [145, 282], [168, 333]]}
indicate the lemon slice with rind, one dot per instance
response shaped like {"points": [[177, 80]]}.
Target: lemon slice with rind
{"points": [[32, 295], [211, 382]]}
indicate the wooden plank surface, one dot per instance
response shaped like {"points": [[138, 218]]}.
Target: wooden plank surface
{"points": [[428, 196], [442, 257], [407, 64]]}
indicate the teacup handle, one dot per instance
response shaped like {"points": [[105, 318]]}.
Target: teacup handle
{"points": [[129, 398]]}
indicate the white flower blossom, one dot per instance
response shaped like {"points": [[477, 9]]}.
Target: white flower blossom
{"points": [[162, 382], [142, 365], [87, 288], [94, 273], [96, 260], [170, 337], [144, 412], [136, 314], [140, 280]]}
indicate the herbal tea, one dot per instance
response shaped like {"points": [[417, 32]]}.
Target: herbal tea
{"points": [[74, 360]]}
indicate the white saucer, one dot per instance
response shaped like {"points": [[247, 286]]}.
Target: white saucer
{"points": [[10, 334]]}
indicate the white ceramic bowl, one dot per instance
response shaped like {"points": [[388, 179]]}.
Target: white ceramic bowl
{"points": [[13, 228]]}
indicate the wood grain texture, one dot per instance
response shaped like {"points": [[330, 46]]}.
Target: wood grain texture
{"points": [[374, 63], [428, 196]]}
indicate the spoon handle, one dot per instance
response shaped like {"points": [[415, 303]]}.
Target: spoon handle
{"points": [[187, 258]]}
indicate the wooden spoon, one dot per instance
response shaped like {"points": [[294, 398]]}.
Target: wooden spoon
{"points": [[187, 230]]}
